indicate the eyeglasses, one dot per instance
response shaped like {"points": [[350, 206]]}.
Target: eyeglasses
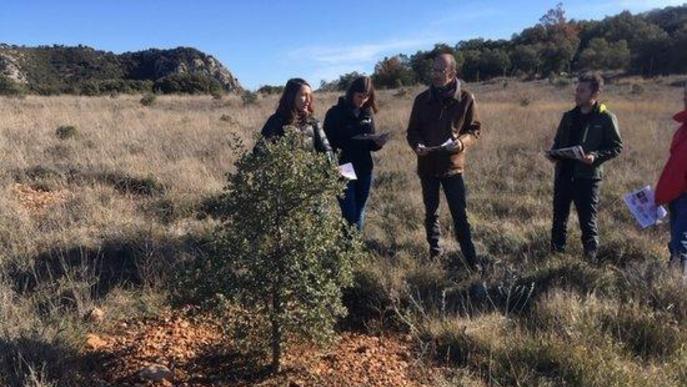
{"points": [[441, 71]]}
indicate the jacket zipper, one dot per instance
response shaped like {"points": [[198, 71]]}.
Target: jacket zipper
{"points": [[584, 136]]}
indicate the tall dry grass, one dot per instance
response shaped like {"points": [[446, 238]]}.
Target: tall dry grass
{"points": [[134, 188]]}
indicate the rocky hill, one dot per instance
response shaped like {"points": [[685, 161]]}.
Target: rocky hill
{"points": [[84, 70]]}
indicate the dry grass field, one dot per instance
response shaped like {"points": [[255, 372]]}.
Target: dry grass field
{"points": [[107, 214]]}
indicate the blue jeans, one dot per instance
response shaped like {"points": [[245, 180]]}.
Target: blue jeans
{"points": [[354, 201], [678, 227]]}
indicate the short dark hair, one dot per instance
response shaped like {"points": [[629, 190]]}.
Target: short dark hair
{"points": [[363, 85], [594, 79]]}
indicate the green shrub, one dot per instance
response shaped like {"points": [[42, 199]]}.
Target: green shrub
{"points": [[125, 184], [249, 98], [637, 89], [227, 118], [283, 251], [188, 84], [401, 93], [9, 87], [560, 81], [66, 131], [148, 99], [217, 94], [269, 89]]}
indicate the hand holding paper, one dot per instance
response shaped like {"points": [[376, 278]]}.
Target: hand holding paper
{"points": [[449, 145], [421, 150], [573, 153], [347, 171]]}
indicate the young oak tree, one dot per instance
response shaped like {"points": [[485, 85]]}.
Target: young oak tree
{"points": [[286, 252]]}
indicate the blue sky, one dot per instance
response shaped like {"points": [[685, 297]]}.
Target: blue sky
{"points": [[267, 42]]}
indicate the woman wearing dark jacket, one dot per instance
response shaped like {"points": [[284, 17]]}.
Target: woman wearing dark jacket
{"points": [[344, 125], [296, 109]]}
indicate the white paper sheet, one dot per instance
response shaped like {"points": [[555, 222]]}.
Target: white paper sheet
{"points": [[347, 171], [448, 144], [642, 206]]}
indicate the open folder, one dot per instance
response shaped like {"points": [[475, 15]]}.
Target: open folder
{"points": [[573, 153]]}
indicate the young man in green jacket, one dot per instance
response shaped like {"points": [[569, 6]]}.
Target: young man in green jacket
{"points": [[591, 126]]}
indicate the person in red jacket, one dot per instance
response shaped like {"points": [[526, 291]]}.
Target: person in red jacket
{"points": [[672, 190]]}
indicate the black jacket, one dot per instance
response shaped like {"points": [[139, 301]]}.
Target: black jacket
{"points": [[600, 137], [341, 125], [274, 127]]}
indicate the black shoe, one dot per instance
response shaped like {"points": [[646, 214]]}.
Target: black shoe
{"points": [[435, 253], [557, 249], [592, 255]]}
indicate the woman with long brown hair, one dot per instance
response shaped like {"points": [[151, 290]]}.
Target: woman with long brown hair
{"points": [[350, 126], [296, 109]]}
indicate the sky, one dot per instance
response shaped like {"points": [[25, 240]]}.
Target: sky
{"points": [[267, 42]]}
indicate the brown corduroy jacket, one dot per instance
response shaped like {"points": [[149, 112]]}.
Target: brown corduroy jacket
{"points": [[434, 120]]}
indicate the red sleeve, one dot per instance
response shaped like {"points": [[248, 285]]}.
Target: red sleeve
{"points": [[673, 181]]}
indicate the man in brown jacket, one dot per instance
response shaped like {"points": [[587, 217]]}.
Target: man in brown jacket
{"points": [[444, 114]]}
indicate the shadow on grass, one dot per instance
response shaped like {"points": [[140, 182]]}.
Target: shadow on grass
{"points": [[49, 177], [132, 260], [34, 362]]}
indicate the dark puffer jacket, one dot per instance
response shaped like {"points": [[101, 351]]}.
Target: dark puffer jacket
{"points": [[341, 125]]}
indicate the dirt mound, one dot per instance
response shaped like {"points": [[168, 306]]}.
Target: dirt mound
{"points": [[193, 348], [36, 200]]}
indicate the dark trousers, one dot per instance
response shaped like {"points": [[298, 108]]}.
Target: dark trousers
{"points": [[454, 189], [354, 201], [585, 194]]}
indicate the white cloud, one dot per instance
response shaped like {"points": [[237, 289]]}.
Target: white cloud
{"points": [[331, 62], [356, 53]]}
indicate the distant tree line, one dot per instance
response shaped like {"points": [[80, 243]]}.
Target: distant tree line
{"points": [[648, 44]]}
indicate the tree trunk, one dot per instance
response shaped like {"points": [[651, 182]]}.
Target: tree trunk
{"points": [[276, 331], [277, 316]]}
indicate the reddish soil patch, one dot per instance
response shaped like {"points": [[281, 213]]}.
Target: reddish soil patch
{"points": [[195, 350]]}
